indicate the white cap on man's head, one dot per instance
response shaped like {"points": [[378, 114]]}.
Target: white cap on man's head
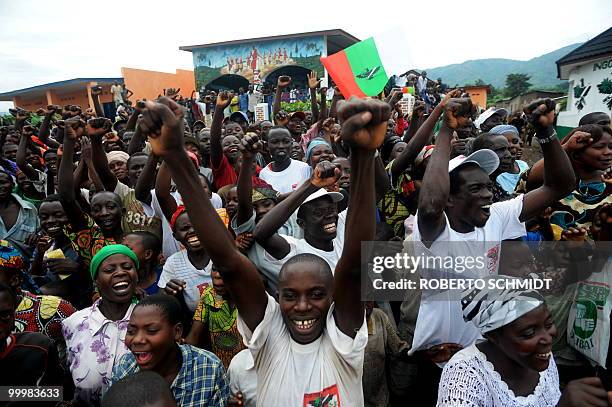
{"points": [[485, 159], [335, 196], [488, 113]]}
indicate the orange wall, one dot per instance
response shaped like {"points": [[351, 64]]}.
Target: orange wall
{"points": [[62, 98], [478, 96], [150, 84]]}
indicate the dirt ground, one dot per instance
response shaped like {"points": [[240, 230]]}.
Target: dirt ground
{"points": [[533, 153]]}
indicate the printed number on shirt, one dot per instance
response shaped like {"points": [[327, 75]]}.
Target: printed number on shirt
{"points": [[138, 219]]}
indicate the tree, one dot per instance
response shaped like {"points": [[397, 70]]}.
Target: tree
{"points": [[479, 82], [516, 84]]}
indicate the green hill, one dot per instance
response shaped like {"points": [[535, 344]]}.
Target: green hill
{"points": [[542, 69]]}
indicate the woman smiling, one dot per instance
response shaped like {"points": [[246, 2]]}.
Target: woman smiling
{"points": [[513, 366], [94, 336]]}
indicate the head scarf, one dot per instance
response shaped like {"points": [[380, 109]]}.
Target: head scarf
{"points": [[10, 257], [117, 156], [314, 143], [490, 309], [261, 193], [108, 251], [178, 212], [503, 129]]}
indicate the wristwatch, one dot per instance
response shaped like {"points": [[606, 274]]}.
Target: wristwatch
{"points": [[547, 139]]}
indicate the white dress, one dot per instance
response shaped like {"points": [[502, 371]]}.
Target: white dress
{"points": [[469, 380]]}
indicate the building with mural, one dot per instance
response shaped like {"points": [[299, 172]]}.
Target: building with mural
{"points": [[234, 64], [589, 71]]}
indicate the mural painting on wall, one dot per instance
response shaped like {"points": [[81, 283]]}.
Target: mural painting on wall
{"points": [[255, 60]]}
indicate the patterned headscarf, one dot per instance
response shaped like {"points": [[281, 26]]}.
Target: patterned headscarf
{"points": [[503, 129], [490, 309], [261, 193]]}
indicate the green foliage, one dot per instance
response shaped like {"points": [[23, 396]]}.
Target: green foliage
{"points": [[295, 106], [516, 84]]}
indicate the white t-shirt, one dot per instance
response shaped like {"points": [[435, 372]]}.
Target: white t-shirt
{"points": [[179, 267], [439, 320], [291, 374], [270, 267], [243, 377], [288, 179]]}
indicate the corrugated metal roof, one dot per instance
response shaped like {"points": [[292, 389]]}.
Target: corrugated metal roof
{"points": [[597, 46]]}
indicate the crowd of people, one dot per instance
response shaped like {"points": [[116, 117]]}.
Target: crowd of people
{"points": [[194, 257]]}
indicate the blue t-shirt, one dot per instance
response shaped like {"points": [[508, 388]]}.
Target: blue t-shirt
{"points": [[154, 288], [508, 180]]}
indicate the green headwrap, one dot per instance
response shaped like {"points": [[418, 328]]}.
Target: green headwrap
{"points": [[108, 251]]}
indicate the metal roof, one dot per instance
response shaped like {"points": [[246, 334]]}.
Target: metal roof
{"points": [[596, 47], [8, 96], [338, 39]]}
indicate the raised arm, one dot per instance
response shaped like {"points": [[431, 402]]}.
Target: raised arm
{"points": [[100, 126], [146, 180], [216, 151], [72, 129], [324, 175], [131, 123], [422, 137], [43, 133], [364, 128], [435, 188], [239, 274], [281, 84], [559, 178], [96, 91], [335, 99], [249, 147], [24, 138], [163, 184], [313, 84], [86, 157]]}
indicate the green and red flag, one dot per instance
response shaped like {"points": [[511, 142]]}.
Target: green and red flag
{"points": [[357, 70]]}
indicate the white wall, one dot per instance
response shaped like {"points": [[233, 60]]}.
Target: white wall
{"points": [[584, 96]]}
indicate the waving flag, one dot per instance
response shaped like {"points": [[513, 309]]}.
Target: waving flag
{"points": [[357, 70]]}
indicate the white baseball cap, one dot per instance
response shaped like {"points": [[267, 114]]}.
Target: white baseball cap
{"points": [[485, 159], [335, 196], [488, 113]]}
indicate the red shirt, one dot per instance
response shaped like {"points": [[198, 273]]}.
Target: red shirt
{"points": [[225, 174]]}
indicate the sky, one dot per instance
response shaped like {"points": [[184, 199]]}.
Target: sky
{"points": [[45, 41]]}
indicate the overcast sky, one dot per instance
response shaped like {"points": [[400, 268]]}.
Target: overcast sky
{"points": [[46, 41]]}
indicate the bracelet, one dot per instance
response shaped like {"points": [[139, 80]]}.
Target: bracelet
{"points": [[546, 140]]}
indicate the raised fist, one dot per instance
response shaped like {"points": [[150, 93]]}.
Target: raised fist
{"points": [[455, 93], [541, 113], [325, 174], [224, 99], [250, 145], [98, 127], [577, 141], [162, 122], [284, 81], [364, 122], [74, 128], [458, 112]]}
